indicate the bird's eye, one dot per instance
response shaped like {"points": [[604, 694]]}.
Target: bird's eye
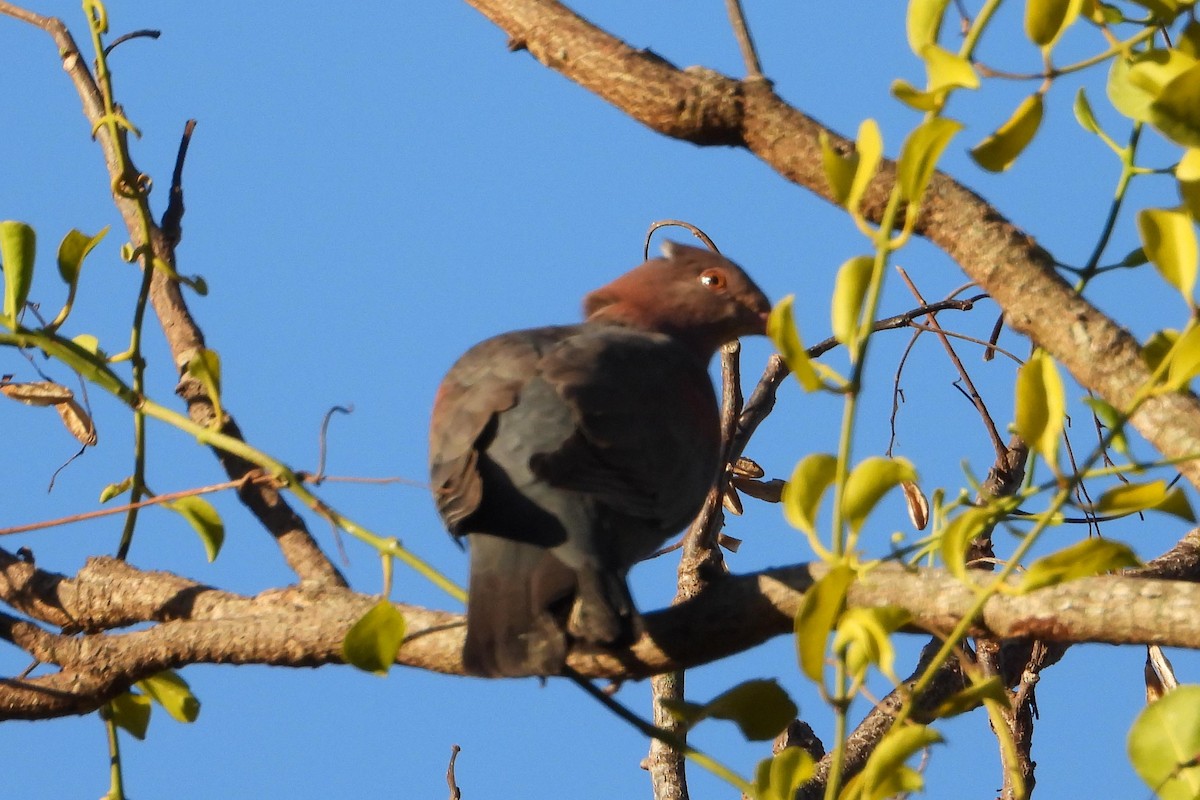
{"points": [[713, 279]]}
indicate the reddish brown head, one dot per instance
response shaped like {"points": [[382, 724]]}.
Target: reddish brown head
{"points": [[696, 296]]}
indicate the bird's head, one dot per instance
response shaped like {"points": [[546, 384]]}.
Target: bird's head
{"points": [[696, 296]]}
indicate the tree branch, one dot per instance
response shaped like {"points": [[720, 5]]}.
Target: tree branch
{"points": [[707, 108], [182, 333], [304, 625]]}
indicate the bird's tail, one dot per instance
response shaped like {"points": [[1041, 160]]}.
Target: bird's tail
{"points": [[525, 604]]}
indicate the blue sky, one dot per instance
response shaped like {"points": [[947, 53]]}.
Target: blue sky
{"points": [[370, 192]]}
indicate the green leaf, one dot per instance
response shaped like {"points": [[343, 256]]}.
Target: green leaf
{"points": [[1134, 84], [782, 775], [819, 612], [1164, 741], [997, 152], [1170, 241], [850, 289], [869, 482], [1040, 405], [201, 515], [1045, 20], [1080, 560], [1158, 347], [372, 643], [839, 169], [1184, 359], [18, 244], [923, 22], [957, 536], [172, 693], [130, 711], [1176, 109], [864, 637], [116, 489], [205, 366], [1111, 419], [1083, 113], [915, 98], [1187, 172], [781, 328], [73, 249], [802, 494], [947, 70], [1129, 498], [920, 154], [972, 697], [885, 773], [760, 708], [869, 147]]}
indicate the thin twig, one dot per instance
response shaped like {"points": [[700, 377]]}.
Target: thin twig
{"points": [[455, 792], [322, 439], [172, 218], [676, 223], [741, 32], [988, 423], [145, 33]]}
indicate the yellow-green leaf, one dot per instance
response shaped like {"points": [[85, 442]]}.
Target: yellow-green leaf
{"points": [[920, 154], [958, 535], [73, 249], [972, 697], [864, 638], [818, 614], [850, 289], [1184, 359], [115, 489], [1176, 110], [201, 515], [1187, 172], [869, 147], [782, 775], [1080, 560], [130, 711], [839, 169], [1083, 113], [802, 494], [372, 643], [1040, 405], [781, 327], [1112, 420], [915, 98], [205, 366], [171, 692], [1134, 84], [760, 708], [1046, 19], [997, 152], [869, 482], [885, 773], [1164, 741], [923, 22], [947, 70], [1158, 347], [18, 244], [1129, 498], [1170, 241]]}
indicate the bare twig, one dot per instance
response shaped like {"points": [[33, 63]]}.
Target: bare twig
{"points": [[455, 792], [676, 223], [741, 31]]}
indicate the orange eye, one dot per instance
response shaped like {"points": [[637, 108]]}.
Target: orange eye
{"points": [[713, 279]]}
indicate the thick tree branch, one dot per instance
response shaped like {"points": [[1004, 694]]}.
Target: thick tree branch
{"points": [[704, 107], [303, 625]]}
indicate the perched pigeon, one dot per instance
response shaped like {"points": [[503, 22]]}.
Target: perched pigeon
{"points": [[566, 454]]}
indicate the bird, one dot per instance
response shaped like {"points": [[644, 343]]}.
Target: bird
{"points": [[566, 454]]}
